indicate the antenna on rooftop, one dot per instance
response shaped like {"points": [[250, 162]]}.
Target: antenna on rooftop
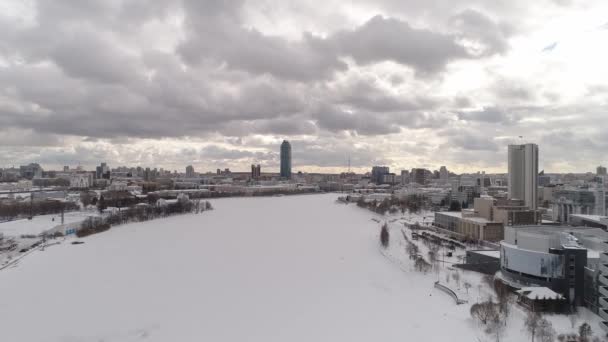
{"points": [[348, 164]]}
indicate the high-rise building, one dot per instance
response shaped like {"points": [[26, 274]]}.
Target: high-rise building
{"points": [[405, 177], [189, 171], [443, 174], [378, 173], [256, 171], [601, 171], [286, 159], [523, 174], [102, 171], [420, 176]]}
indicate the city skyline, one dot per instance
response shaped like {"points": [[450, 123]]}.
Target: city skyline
{"points": [[202, 83]]}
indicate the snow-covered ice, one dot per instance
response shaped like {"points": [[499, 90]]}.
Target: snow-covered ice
{"points": [[293, 268], [41, 223]]}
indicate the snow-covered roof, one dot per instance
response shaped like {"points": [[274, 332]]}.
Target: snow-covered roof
{"points": [[491, 253], [450, 213], [539, 293]]}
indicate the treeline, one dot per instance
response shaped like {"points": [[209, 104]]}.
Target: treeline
{"points": [[420, 264], [12, 209], [412, 203], [140, 213], [244, 193]]}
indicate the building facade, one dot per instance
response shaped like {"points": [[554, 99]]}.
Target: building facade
{"points": [[523, 173], [189, 171], [286, 160], [378, 173], [544, 256], [256, 171]]}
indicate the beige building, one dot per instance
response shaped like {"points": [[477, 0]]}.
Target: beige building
{"points": [[507, 214], [477, 228]]}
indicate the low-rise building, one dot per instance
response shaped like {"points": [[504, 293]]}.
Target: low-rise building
{"points": [[549, 256]]}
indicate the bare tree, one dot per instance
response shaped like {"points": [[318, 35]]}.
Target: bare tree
{"points": [[484, 311], [496, 327], [584, 332], [421, 265], [384, 235], [545, 332], [532, 323], [505, 297], [467, 286], [456, 277]]}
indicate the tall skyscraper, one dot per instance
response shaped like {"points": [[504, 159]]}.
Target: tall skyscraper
{"points": [[601, 171], [523, 173], [286, 159]]}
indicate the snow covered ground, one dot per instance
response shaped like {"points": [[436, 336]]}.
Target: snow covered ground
{"points": [[41, 223], [293, 268]]}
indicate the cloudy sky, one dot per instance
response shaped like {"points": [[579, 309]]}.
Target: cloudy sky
{"points": [[220, 83]]}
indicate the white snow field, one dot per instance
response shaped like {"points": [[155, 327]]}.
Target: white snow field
{"points": [[293, 268], [39, 224]]}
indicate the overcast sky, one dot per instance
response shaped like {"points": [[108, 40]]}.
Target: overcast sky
{"points": [[220, 83]]}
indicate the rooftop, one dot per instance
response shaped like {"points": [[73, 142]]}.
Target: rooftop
{"points": [[457, 214], [539, 293]]}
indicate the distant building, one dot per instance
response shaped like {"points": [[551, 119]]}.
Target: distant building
{"points": [[552, 257], [286, 160], [405, 177], [189, 171], [102, 171], [378, 173], [420, 176], [389, 178], [566, 202], [523, 173], [443, 174], [544, 180], [601, 171], [256, 171], [30, 171], [508, 215], [469, 226], [81, 180]]}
